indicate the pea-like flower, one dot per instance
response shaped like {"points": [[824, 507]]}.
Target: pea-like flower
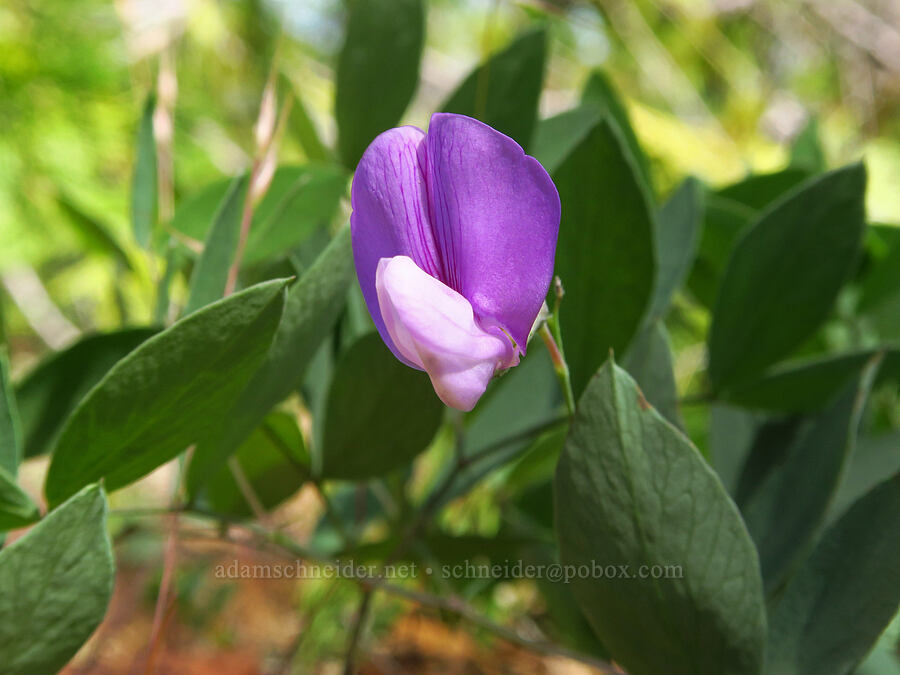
{"points": [[454, 236]]}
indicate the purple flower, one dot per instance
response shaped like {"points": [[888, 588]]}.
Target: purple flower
{"points": [[454, 235]]}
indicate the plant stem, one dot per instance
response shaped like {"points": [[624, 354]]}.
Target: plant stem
{"points": [[554, 346]]}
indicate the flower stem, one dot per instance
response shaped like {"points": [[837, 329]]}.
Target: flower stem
{"points": [[554, 346]]}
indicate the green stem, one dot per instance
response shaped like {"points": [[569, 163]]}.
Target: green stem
{"points": [[552, 337]]}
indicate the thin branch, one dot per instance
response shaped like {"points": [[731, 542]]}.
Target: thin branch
{"points": [[365, 604]]}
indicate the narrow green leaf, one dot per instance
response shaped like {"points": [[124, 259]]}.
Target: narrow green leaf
{"points": [[143, 185], [649, 361], [883, 282], [301, 125], [503, 91], [785, 274], [380, 413], [787, 509], [556, 137], [677, 237], [724, 220], [875, 457], [806, 150], [50, 392], [833, 611], [758, 191], [599, 92], [170, 392], [10, 424], [808, 385], [211, 270], [93, 233], [378, 70], [273, 459], [55, 586], [631, 490], [289, 217], [300, 200], [311, 311], [731, 434], [605, 253], [16, 508]]}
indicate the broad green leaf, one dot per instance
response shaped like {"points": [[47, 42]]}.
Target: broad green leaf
{"points": [[300, 200], [50, 392], [875, 457], [273, 459], [806, 150], [211, 270], [808, 385], [503, 91], [380, 413], [677, 237], [785, 274], [144, 179], [168, 393], [16, 508], [884, 659], [599, 92], [833, 611], [786, 510], [377, 72], [631, 490], [311, 311], [10, 424], [55, 585], [605, 253], [556, 137], [649, 361]]}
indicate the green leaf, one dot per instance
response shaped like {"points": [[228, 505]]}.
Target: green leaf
{"points": [[300, 200], [787, 508], [143, 185], [731, 434], [724, 220], [50, 392], [808, 385], [883, 282], [833, 611], [380, 413], [273, 459], [504, 90], [649, 361], [605, 253], [677, 237], [556, 137], [785, 274], [210, 273], [599, 92], [55, 585], [377, 72], [16, 508], [301, 125], [875, 457], [168, 393], [10, 424], [806, 151], [306, 199], [759, 191], [631, 490], [94, 233], [312, 309]]}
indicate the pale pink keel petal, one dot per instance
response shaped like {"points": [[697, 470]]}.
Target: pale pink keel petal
{"points": [[434, 328]]}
